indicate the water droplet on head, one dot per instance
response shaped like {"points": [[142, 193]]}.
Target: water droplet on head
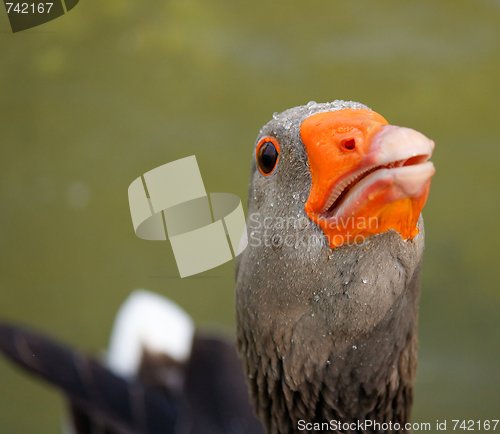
{"points": [[354, 347], [364, 280]]}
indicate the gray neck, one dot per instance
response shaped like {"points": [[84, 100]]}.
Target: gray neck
{"points": [[330, 336]]}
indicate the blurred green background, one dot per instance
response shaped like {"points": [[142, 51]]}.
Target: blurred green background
{"points": [[114, 88]]}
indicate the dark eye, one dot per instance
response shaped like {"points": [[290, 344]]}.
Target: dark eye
{"points": [[267, 155]]}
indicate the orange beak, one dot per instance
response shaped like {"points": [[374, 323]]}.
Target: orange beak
{"points": [[368, 177]]}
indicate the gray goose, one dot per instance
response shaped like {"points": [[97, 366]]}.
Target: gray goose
{"points": [[326, 297]]}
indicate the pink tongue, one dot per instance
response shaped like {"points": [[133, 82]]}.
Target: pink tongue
{"points": [[411, 179], [394, 184]]}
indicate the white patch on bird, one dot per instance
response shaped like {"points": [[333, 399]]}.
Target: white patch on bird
{"points": [[67, 426], [148, 321]]}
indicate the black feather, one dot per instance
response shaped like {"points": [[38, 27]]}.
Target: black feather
{"points": [[121, 405]]}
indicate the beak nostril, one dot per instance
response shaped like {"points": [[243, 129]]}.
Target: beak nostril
{"points": [[348, 144]]}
